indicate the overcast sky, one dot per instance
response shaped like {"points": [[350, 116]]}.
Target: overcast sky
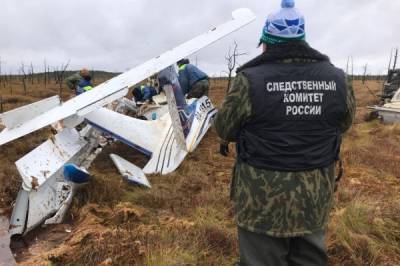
{"points": [[120, 34]]}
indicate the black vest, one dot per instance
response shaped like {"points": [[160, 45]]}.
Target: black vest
{"points": [[296, 111]]}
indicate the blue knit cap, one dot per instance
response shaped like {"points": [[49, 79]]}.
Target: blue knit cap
{"points": [[285, 25]]}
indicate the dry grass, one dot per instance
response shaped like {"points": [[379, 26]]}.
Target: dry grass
{"points": [[187, 218], [365, 226]]}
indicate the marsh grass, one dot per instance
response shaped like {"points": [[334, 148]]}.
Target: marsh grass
{"points": [[187, 218]]}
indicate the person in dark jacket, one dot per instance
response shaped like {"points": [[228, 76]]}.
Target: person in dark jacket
{"points": [[193, 81], [144, 93], [287, 111]]}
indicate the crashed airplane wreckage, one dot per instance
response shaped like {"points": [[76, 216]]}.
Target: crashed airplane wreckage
{"points": [[390, 112], [52, 173]]}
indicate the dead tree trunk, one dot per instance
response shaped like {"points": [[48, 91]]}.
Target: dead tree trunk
{"points": [[60, 77], [23, 77], [365, 73], [31, 74], [231, 60], [45, 75], [10, 83], [395, 58]]}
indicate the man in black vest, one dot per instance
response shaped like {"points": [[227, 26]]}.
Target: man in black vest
{"points": [[287, 111]]}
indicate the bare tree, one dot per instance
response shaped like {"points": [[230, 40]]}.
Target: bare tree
{"points": [[45, 74], [364, 73], [350, 72], [23, 77], [231, 60], [60, 76], [31, 73], [390, 59], [10, 82], [395, 58], [352, 69]]}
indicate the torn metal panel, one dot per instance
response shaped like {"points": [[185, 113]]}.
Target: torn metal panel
{"points": [[47, 195], [44, 161], [62, 211], [19, 215], [129, 171], [46, 201]]}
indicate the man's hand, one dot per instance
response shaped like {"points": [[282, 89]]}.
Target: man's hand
{"points": [[224, 149]]}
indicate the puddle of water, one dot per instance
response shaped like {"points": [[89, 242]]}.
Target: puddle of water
{"points": [[6, 256]]}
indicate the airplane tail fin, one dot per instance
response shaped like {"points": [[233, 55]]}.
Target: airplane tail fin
{"points": [[189, 121]]}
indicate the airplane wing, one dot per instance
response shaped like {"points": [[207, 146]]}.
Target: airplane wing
{"points": [[117, 87]]}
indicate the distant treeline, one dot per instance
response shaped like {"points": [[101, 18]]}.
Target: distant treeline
{"points": [[27, 77], [54, 75], [58, 77], [368, 77]]}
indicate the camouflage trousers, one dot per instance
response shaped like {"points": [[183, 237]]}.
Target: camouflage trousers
{"points": [[260, 249], [199, 89]]}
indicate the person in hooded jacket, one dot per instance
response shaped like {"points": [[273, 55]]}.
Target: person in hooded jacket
{"points": [[286, 111], [193, 81], [80, 82]]}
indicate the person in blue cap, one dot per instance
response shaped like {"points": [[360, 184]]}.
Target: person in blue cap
{"points": [[287, 111]]}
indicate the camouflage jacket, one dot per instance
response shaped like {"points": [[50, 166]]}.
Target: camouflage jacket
{"points": [[73, 80], [279, 204]]}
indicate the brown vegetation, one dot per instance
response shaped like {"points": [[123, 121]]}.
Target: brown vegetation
{"points": [[187, 219]]}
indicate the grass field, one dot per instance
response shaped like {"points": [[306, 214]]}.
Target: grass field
{"points": [[187, 218]]}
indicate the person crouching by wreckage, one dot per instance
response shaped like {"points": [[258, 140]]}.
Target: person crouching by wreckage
{"points": [[286, 110], [144, 94], [193, 81], [80, 82]]}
